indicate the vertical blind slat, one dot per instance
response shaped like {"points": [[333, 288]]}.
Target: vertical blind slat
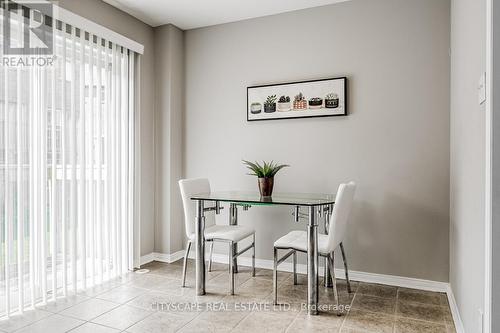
{"points": [[91, 161], [112, 151], [124, 159], [20, 201], [118, 149], [36, 177], [63, 171], [107, 149], [99, 216], [129, 162], [7, 204], [31, 186], [82, 199], [53, 188], [38, 167], [132, 170], [43, 184], [73, 134]]}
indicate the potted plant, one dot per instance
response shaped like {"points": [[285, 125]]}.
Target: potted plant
{"points": [[265, 173], [284, 103], [332, 101], [255, 108], [270, 104], [315, 103], [299, 102]]}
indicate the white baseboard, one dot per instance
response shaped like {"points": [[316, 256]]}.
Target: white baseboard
{"points": [[147, 258], [286, 266], [169, 258], [459, 326], [163, 257]]}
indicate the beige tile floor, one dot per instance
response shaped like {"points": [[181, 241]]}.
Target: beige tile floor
{"points": [[126, 305]]}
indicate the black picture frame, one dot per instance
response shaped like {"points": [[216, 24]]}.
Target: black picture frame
{"points": [[338, 86]]}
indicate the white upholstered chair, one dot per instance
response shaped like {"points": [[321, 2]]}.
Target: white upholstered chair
{"points": [[327, 244], [230, 234]]}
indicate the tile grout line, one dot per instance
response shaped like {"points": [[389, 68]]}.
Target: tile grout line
{"points": [[50, 315], [189, 321], [122, 304], [90, 320], [74, 328], [290, 324], [22, 327], [350, 308], [126, 328], [239, 321]]}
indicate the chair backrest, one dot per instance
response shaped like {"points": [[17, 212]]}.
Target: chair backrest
{"points": [[189, 187], [340, 214]]}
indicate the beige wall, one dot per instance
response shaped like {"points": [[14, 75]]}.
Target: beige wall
{"points": [[132, 28], [467, 159], [169, 98], [394, 144]]}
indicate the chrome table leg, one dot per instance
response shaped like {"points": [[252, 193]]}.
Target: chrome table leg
{"points": [[294, 268], [200, 248], [253, 256], [275, 277], [231, 268], [233, 220], [312, 263], [327, 276]]}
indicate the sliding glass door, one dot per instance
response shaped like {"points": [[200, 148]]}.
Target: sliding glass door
{"points": [[66, 164]]}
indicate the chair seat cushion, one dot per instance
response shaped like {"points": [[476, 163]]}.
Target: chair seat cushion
{"points": [[233, 233], [297, 240]]}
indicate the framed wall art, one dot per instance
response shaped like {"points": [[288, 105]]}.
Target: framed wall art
{"points": [[303, 99]]}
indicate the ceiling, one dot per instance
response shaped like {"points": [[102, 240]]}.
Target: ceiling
{"points": [[190, 14]]}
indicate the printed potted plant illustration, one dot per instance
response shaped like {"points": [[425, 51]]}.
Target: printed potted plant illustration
{"points": [[255, 108], [315, 103], [332, 101], [284, 103], [265, 174], [270, 104], [299, 102]]}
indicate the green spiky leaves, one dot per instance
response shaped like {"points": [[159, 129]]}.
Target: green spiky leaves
{"points": [[264, 170]]}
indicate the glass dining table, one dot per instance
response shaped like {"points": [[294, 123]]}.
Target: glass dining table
{"points": [[316, 205]]}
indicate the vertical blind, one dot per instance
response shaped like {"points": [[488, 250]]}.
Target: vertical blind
{"points": [[66, 168]]}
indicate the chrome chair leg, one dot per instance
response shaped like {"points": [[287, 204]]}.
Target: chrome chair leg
{"points": [[275, 277], [253, 256], [345, 268], [184, 268], [210, 256], [231, 268], [294, 264], [331, 264]]}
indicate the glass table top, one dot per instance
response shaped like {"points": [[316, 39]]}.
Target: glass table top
{"points": [[254, 198]]}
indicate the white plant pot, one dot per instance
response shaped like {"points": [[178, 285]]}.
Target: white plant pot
{"points": [[284, 106]]}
